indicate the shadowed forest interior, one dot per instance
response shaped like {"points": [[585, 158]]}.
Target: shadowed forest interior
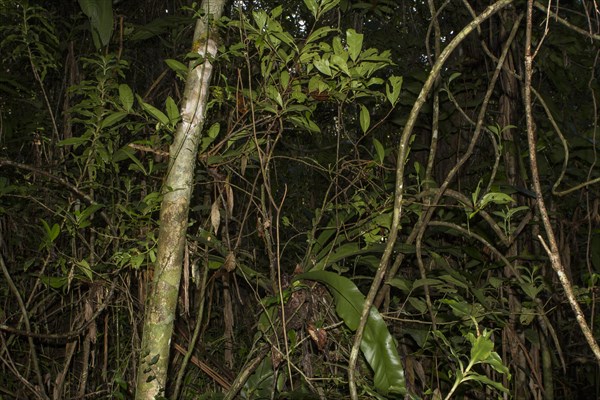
{"points": [[318, 199]]}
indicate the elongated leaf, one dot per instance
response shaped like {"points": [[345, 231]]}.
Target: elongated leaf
{"points": [[126, 96], [112, 119], [380, 150], [172, 110], [344, 251], [377, 344], [312, 6], [177, 66], [155, 112], [365, 118]]}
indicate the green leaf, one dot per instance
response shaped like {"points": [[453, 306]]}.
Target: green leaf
{"points": [[496, 198], [155, 112], [126, 97], [323, 66], [284, 78], [319, 33], [273, 94], [51, 233], [487, 381], [454, 76], [379, 149], [85, 268], [482, 347], [393, 93], [365, 118], [260, 17], [172, 110], [55, 282], [180, 68], [100, 14], [327, 5], [127, 152], [355, 42], [312, 7], [377, 344], [113, 118]]}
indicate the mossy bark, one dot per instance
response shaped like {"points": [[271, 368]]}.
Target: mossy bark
{"points": [[161, 303]]}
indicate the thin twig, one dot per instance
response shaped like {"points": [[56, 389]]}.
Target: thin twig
{"points": [[34, 357], [552, 250], [403, 151]]}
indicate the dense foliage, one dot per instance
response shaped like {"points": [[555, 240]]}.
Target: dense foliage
{"points": [[294, 197]]}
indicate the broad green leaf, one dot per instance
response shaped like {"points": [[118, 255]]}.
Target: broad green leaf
{"points": [[393, 88], [276, 12], [88, 211], [274, 95], [137, 260], [100, 14], [260, 17], [51, 233], [355, 42], [346, 250], [418, 304], [339, 62], [323, 66], [482, 347], [284, 78], [172, 110], [319, 33], [180, 68], [55, 282], [327, 5], [126, 97], [155, 112], [112, 119], [379, 150], [399, 283], [213, 131], [85, 268], [365, 118], [496, 362], [496, 198], [312, 7], [377, 344]]}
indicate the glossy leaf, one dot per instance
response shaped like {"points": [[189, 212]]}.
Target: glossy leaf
{"points": [[377, 345]]}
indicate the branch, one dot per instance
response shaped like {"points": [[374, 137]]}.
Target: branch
{"points": [[399, 186], [71, 187], [552, 250]]}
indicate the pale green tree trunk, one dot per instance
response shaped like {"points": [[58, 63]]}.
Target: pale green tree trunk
{"points": [[162, 297]]}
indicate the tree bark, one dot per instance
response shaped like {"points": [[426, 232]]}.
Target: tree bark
{"points": [[162, 297]]}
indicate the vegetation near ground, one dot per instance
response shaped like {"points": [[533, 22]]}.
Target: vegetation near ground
{"points": [[317, 199]]}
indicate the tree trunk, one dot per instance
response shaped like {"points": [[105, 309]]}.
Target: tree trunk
{"points": [[162, 297]]}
